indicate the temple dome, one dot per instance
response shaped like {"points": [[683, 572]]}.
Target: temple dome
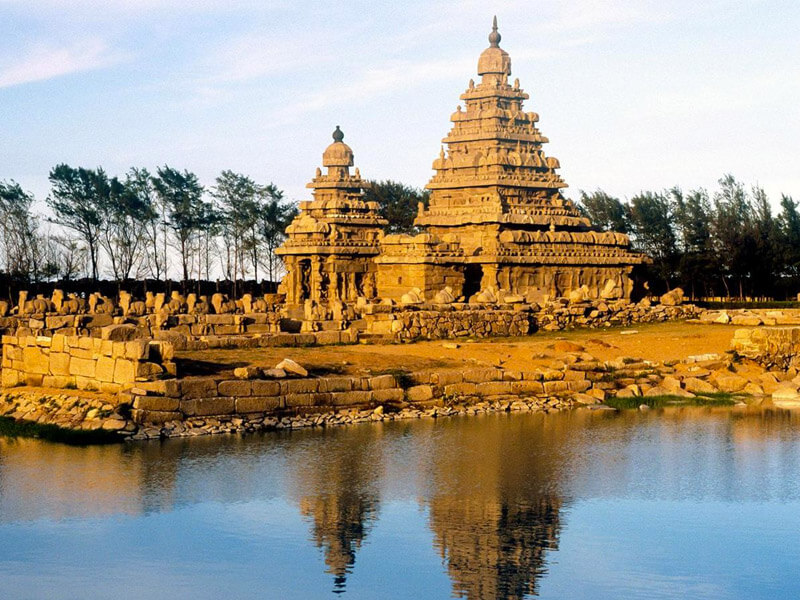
{"points": [[338, 154], [494, 60]]}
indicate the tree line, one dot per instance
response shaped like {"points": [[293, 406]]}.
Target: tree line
{"points": [[724, 243], [143, 225]]}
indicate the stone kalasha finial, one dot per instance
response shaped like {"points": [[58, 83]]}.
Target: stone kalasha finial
{"points": [[338, 154], [494, 37]]}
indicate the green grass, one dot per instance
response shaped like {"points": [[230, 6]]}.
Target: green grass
{"points": [[715, 399], [53, 433]]}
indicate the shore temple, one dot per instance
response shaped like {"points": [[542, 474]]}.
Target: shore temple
{"points": [[497, 227]]}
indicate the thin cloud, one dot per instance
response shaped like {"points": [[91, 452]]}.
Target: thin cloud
{"points": [[42, 62]]}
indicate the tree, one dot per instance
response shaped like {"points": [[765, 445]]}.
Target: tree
{"points": [[75, 200], [651, 224], [692, 223], [182, 196], [397, 203], [789, 224], [239, 202], [604, 211], [21, 241], [124, 214], [732, 228], [276, 215], [765, 261], [149, 211]]}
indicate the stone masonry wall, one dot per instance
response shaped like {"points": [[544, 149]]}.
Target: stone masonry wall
{"points": [[83, 363], [769, 346], [464, 320]]}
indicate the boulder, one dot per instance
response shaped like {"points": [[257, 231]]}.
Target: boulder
{"points": [[290, 366], [673, 297]]}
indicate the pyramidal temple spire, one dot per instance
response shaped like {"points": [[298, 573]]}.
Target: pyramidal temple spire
{"points": [[494, 37]]}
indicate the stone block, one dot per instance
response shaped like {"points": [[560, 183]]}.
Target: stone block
{"points": [[198, 388], [300, 399], [57, 343], [109, 387], [57, 381], [351, 398], [261, 387], [35, 360], [299, 386], [419, 393], [156, 403], [259, 404], [527, 387], [204, 407], [124, 371], [136, 349], [443, 378], [104, 370], [148, 370], [59, 363], [382, 382], [9, 377], [82, 367], [155, 417], [555, 387], [482, 375], [236, 388], [578, 385], [86, 383], [388, 395], [161, 387], [570, 375], [494, 388], [336, 384], [461, 389]]}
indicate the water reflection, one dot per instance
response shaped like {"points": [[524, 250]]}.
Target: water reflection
{"points": [[495, 493], [337, 488]]}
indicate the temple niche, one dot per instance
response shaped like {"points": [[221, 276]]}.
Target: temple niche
{"points": [[331, 244], [497, 220]]}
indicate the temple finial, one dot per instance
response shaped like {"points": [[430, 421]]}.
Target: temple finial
{"points": [[494, 37], [338, 136]]}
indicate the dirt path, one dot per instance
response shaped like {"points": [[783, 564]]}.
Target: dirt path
{"points": [[657, 342]]}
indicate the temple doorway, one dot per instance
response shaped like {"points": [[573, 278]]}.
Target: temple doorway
{"points": [[473, 274]]}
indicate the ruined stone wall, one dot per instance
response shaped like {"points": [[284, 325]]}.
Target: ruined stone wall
{"points": [[471, 320], [771, 347], [83, 363], [442, 324], [396, 279]]}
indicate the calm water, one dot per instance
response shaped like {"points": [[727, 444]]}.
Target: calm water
{"points": [[687, 503]]}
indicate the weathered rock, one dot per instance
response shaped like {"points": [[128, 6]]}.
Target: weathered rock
{"points": [[290, 366]]}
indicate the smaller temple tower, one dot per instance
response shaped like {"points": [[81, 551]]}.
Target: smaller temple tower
{"points": [[331, 244]]}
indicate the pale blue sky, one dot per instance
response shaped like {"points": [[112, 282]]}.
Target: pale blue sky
{"points": [[632, 94]]}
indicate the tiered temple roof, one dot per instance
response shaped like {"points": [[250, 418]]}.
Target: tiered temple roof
{"points": [[337, 220]]}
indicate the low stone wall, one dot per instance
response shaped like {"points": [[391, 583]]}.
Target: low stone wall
{"points": [[752, 317], [450, 322], [83, 363], [205, 405], [467, 320], [771, 347]]}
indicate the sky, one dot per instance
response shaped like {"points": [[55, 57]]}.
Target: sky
{"points": [[634, 95]]}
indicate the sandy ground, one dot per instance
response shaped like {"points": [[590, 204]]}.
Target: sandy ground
{"points": [[656, 342]]}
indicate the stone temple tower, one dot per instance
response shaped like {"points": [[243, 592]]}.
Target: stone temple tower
{"points": [[330, 245], [497, 218]]}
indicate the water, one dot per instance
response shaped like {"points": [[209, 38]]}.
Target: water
{"points": [[679, 503]]}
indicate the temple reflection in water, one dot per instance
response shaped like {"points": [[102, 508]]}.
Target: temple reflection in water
{"points": [[491, 490]]}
